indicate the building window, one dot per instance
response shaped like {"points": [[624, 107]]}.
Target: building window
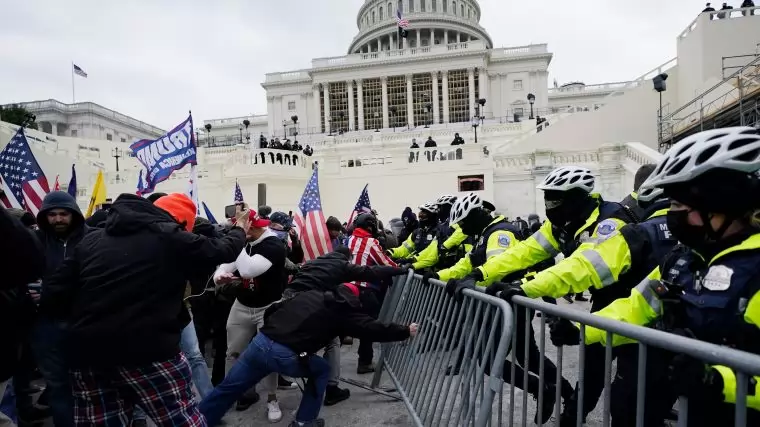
{"points": [[373, 103], [471, 183], [390, 9], [373, 17], [519, 112], [411, 6], [123, 139], [109, 137], [434, 6], [459, 96], [74, 132], [445, 6], [338, 107], [381, 13], [422, 99], [423, 6], [461, 8], [453, 8], [291, 105], [401, 6], [469, 13], [517, 85], [397, 101]]}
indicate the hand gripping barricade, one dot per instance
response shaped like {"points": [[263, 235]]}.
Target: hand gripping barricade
{"points": [[467, 333], [745, 365]]}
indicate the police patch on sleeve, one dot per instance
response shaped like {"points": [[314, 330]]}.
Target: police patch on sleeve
{"points": [[606, 227], [504, 241]]}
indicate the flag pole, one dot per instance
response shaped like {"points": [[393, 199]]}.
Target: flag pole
{"points": [[73, 93]]}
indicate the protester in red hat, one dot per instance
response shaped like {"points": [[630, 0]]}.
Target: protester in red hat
{"points": [[258, 277]]}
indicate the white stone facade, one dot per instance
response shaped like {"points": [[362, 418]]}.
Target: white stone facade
{"points": [[90, 121]]}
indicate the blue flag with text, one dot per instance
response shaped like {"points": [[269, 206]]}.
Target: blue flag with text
{"points": [[162, 156]]}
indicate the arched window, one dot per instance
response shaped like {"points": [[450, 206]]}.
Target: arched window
{"points": [[411, 6], [390, 10], [381, 13], [453, 8], [445, 6], [434, 5], [469, 13], [423, 6], [462, 10], [373, 17]]}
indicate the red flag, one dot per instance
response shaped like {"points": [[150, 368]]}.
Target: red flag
{"points": [[57, 186]]}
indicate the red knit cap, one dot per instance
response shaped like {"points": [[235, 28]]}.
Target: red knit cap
{"points": [[180, 207], [353, 288]]}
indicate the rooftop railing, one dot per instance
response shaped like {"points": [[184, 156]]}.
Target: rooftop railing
{"points": [[91, 108], [719, 15], [577, 89], [362, 58]]}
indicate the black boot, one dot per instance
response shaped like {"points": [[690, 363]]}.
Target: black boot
{"points": [[580, 297], [569, 411], [335, 395], [550, 391], [247, 401]]}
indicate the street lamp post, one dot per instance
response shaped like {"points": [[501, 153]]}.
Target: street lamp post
{"points": [[531, 101], [377, 123], [428, 108], [247, 123], [208, 134], [478, 119], [284, 130], [116, 153], [240, 127], [294, 118], [393, 111]]}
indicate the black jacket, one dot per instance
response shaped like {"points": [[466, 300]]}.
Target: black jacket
{"points": [[330, 270], [21, 262], [56, 248], [310, 320], [121, 291]]}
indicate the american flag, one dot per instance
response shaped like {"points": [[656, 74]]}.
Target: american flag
{"points": [[311, 221], [238, 193], [23, 181], [57, 186], [78, 71], [401, 22], [362, 205], [140, 184]]}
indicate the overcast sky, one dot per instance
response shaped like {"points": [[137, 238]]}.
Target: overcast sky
{"points": [[155, 59]]}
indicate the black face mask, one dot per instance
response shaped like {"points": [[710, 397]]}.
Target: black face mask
{"points": [[693, 236], [562, 214]]}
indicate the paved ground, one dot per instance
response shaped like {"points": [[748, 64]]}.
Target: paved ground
{"points": [[365, 408]]}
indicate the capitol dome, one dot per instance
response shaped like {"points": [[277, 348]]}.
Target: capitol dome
{"points": [[431, 22]]}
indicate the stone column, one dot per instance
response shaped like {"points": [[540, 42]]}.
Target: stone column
{"points": [[384, 81], [445, 84], [317, 114], [432, 38], [391, 46], [351, 115], [471, 85], [445, 37], [328, 119], [483, 88], [459, 37], [54, 128], [409, 100], [360, 101], [434, 80], [419, 38], [379, 44]]}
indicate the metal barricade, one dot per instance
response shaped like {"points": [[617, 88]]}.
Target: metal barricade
{"points": [[463, 337], [745, 365]]}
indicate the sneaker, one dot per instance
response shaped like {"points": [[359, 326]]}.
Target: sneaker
{"points": [[246, 402], [365, 369], [335, 395], [273, 411], [285, 384]]}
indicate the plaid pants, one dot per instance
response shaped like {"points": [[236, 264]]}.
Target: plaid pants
{"points": [[107, 398]]}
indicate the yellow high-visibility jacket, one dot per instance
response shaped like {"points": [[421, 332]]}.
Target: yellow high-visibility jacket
{"points": [[429, 257], [643, 307]]}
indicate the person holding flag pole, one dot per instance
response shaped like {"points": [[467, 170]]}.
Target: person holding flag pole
{"points": [[98, 194]]}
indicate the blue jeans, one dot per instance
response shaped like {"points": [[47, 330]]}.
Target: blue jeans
{"points": [[263, 357], [201, 379], [47, 344], [8, 403]]}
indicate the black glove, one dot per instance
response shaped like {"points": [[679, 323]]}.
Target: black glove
{"points": [[427, 276], [506, 291], [405, 261], [563, 332], [455, 287], [407, 265], [691, 376], [496, 288], [402, 269]]}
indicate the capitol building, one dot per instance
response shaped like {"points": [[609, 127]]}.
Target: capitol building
{"points": [[361, 111]]}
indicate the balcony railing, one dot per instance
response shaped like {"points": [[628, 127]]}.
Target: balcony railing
{"points": [[580, 89], [363, 58], [229, 121], [719, 15], [91, 108], [287, 76]]}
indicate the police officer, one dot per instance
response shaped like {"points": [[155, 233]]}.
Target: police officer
{"points": [[421, 237], [630, 201], [450, 244], [610, 267], [494, 236], [708, 288]]}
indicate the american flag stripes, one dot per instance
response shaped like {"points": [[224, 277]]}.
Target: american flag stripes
{"points": [[78, 71], [238, 193], [401, 22], [23, 181], [311, 221], [362, 205]]}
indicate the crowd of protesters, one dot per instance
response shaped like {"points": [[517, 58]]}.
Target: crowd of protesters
{"points": [[117, 312]]}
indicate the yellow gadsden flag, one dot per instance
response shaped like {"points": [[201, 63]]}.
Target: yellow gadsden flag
{"points": [[98, 194]]}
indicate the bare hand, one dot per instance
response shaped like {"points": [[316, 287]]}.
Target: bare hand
{"points": [[224, 278], [413, 329], [242, 220], [293, 233]]}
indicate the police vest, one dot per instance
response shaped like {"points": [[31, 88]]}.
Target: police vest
{"points": [[649, 243], [478, 255], [567, 241], [447, 258], [422, 236], [714, 297]]}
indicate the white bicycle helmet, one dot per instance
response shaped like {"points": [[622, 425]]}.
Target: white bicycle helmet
{"points": [[446, 199], [650, 194], [566, 178], [464, 206], [429, 207], [734, 148]]}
